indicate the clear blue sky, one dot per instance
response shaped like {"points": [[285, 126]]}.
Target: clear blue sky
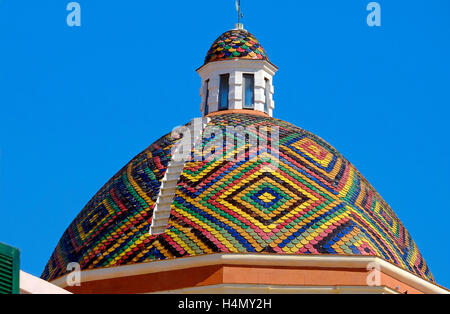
{"points": [[76, 104]]}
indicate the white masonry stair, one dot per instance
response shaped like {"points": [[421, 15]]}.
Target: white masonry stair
{"points": [[166, 196], [161, 213]]}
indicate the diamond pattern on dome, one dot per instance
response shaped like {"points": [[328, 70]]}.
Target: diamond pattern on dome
{"points": [[236, 43], [264, 197], [313, 202]]}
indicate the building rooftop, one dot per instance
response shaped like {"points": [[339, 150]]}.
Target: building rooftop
{"points": [[313, 202]]}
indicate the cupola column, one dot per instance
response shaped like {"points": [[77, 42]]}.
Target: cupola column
{"points": [[235, 90]]}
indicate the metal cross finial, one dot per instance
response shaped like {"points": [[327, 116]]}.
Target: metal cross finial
{"points": [[238, 9]]}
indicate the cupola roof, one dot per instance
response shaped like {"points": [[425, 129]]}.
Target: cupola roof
{"points": [[236, 44]]}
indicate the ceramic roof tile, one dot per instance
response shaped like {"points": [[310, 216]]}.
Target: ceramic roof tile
{"points": [[236, 44], [314, 202]]}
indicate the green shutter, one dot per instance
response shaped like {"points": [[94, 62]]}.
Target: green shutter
{"points": [[9, 269]]}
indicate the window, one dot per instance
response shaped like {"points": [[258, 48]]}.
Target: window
{"points": [[206, 97], [223, 91], [9, 269], [267, 94], [248, 92]]}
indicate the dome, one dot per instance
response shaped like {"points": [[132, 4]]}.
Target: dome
{"points": [[314, 203], [236, 44]]}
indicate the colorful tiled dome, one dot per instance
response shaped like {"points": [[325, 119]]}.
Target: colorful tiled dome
{"points": [[236, 44], [314, 202]]}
